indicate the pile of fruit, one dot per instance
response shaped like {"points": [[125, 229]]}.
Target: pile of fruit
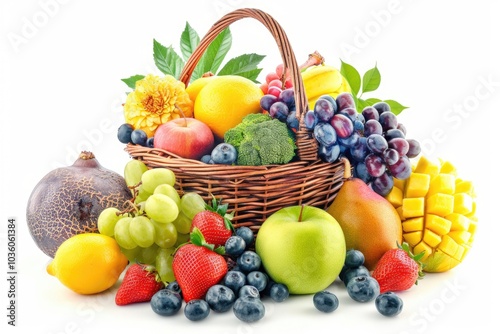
{"points": [[400, 214]]}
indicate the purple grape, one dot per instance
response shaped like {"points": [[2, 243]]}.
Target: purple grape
{"points": [[287, 97], [342, 125], [325, 134], [310, 120], [324, 110], [292, 122], [361, 172], [332, 101], [279, 110], [376, 143], [329, 153], [370, 113], [267, 101], [401, 169], [388, 120], [350, 141], [400, 145], [374, 165], [382, 107], [360, 150], [383, 184], [414, 148], [372, 127], [349, 112], [345, 100], [391, 156], [358, 126], [394, 133], [401, 128]]}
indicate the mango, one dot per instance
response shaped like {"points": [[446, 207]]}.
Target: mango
{"points": [[438, 213]]}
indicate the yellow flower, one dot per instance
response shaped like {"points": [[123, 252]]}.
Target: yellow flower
{"points": [[156, 100]]}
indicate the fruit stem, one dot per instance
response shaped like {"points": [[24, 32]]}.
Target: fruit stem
{"points": [[185, 119], [300, 213], [314, 59], [347, 168], [86, 159]]}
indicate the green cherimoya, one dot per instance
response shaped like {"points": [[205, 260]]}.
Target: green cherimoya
{"points": [[261, 140]]}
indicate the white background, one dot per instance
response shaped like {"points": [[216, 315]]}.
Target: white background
{"points": [[61, 65]]}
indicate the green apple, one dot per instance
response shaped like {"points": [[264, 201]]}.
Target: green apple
{"points": [[302, 247]]}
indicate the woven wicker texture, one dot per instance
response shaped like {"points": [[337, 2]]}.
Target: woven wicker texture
{"points": [[254, 192]]}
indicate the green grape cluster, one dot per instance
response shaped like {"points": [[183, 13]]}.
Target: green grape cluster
{"points": [[158, 219]]}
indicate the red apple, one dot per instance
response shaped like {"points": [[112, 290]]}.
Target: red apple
{"points": [[186, 137]]}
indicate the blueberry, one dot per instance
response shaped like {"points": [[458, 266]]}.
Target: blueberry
{"points": [[224, 153], [389, 304], [124, 133], [325, 301], [220, 298], [257, 279], [174, 286], [246, 233], [249, 309], [196, 309], [235, 245], [139, 137], [363, 288], [279, 292], [234, 280], [350, 273], [207, 158], [166, 302], [249, 261], [249, 291], [354, 258], [150, 142]]}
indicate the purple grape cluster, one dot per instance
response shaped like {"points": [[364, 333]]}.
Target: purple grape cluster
{"points": [[374, 141], [282, 107]]}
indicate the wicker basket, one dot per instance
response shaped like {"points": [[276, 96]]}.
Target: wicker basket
{"points": [[254, 192]]}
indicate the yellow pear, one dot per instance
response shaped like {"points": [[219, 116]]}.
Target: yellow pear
{"points": [[370, 223]]}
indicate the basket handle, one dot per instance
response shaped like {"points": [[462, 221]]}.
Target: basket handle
{"points": [[307, 148]]}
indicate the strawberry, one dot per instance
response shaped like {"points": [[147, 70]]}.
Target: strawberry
{"points": [[214, 223], [139, 284], [398, 269], [197, 266]]}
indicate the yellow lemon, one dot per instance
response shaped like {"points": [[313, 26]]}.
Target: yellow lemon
{"points": [[194, 87], [88, 263], [225, 100]]}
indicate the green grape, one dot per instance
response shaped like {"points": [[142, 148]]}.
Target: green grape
{"points": [[107, 220], [131, 254], [191, 204], [122, 233], [163, 264], [142, 231], [181, 239], [148, 255], [166, 234], [133, 172], [161, 208], [142, 195], [152, 178], [167, 189], [182, 223]]}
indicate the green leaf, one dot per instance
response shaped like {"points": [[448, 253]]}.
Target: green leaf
{"points": [[352, 76], [372, 100], [221, 250], [360, 104], [196, 237], [371, 80], [244, 65], [214, 55], [189, 41], [167, 60], [132, 80], [396, 107]]}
